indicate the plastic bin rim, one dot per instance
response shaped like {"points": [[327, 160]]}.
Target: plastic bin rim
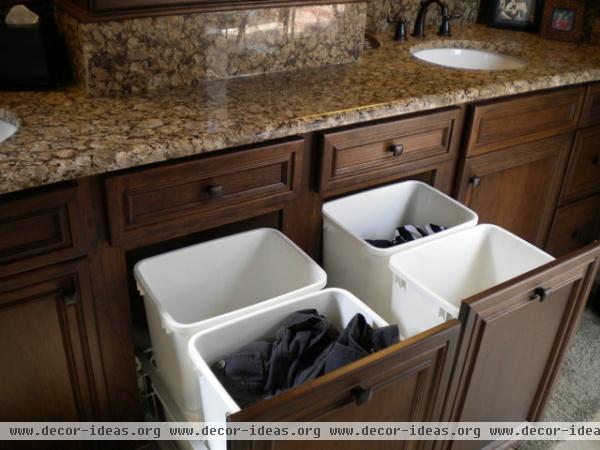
{"points": [[203, 369], [173, 325], [480, 228], [395, 249]]}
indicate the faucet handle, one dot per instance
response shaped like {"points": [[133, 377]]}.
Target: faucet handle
{"points": [[445, 25], [400, 33]]}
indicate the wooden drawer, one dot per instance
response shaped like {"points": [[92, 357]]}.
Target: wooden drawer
{"points": [[583, 174], [510, 122], [407, 382], [574, 226], [591, 108], [374, 153], [40, 229], [186, 197]]}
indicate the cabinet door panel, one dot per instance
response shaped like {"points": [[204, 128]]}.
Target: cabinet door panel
{"points": [[583, 174], [517, 188], [515, 339], [46, 331], [408, 381], [574, 226]]}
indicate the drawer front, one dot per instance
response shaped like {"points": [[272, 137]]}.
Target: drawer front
{"points": [[511, 122], [591, 108], [39, 230], [373, 152], [405, 382], [176, 199], [583, 175], [574, 226]]}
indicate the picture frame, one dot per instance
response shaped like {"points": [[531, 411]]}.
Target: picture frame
{"points": [[563, 20], [521, 15]]}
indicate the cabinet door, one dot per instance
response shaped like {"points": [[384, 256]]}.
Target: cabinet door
{"points": [[515, 337], [574, 226], [49, 361], [517, 188], [406, 382]]}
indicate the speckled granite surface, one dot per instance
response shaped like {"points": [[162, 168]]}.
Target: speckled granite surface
{"points": [[136, 55], [66, 134], [380, 11]]}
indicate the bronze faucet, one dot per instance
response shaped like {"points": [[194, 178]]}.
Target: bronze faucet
{"points": [[419, 30]]}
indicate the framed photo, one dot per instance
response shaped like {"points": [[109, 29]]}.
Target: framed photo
{"points": [[563, 20], [522, 15]]}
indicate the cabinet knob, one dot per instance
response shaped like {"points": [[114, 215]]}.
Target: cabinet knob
{"points": [[574, 234], [596, 160], [397, 149], [362, 396], [540, 293], [215, 192], [475, 181], [69, 296]]}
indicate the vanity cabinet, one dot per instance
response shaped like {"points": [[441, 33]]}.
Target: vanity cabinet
{"points": [[514, 339], [51, 368], [517, 188], [528, 164], [422, 146]]}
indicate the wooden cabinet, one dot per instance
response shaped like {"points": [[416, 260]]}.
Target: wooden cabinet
{"points": [[364, 156], [509, 122], [40, 229], [50, 365], [405, 382], [574, 226], [583, 175], [514, 338], [174, 199], [591, 108], [517, 188]]}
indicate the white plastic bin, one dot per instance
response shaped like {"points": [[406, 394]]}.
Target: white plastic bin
{"points": [[351, 263], [431, 280], [196, 287], [208, 346]]}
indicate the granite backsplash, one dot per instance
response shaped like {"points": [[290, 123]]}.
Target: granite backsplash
{"points": [[379, 13], [146, 54], [137, 55]]}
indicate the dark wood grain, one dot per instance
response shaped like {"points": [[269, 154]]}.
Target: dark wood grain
{"points": [[512, 344], [504, 123], [175, 199], [354, 156], [49, 346], [583, 174], [574, 226], [39, 229], [518, 187], [591, 108]]}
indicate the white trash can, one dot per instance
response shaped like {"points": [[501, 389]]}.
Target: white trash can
{"points": [[352, 263], [193, 288], [431, 280], [208, 346]]}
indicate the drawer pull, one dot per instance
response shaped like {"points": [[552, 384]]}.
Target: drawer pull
{"points": [[540, 293], [596, 161], [574, 234], [397, 149], [362, 396], [215, 192], [69, 296], [475, 181]]}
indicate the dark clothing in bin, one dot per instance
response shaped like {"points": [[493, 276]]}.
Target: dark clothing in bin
{"points": [[407, 233], [305, 347]]}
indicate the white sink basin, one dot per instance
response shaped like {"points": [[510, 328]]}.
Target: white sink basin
{"points": [[6, 130], [466, 58]]}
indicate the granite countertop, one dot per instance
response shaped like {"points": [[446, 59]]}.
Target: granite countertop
{"points": [[64, 134]]}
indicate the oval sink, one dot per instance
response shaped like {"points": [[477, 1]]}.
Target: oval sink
{"points": [[466, 58], [6, 130]]}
